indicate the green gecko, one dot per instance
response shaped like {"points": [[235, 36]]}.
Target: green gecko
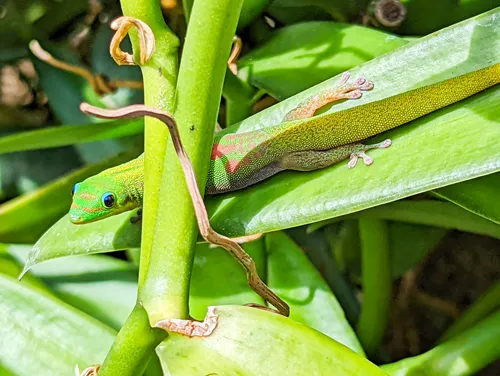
{"points": [[301, 142]]}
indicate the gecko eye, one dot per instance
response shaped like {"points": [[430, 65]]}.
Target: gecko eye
{"points": [[108, 200], [75, 188]]}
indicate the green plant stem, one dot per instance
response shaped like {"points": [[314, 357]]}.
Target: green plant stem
{"points": [[136, 341], [377, 281], [483, 306], [208, 42], [159, 76], [464, 354], [133, 347]]}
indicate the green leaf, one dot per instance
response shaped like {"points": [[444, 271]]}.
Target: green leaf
{"points": [[303, 55], [412, 165], [10, 267], [91, 284], [249, 341], [69, 134], [479, 196], [66, 239], [294, 279], [43, 336]]}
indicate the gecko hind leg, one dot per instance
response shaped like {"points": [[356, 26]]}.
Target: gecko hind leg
{"points": [[310, 160], [343, 90]]}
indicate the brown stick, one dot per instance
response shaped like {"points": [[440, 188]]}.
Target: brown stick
{"points": [[206, 230], [98, 83]]}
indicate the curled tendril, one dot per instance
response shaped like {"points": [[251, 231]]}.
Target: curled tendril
{"points": [[146, 41], [235, 53], [90, 371]]}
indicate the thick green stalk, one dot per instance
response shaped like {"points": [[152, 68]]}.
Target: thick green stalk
{"points": [[463, 355], [133, 346], [159, 76], [377, 281], [208, 41], [136, 341]]}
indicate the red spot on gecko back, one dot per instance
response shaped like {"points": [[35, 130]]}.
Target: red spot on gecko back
{"points": [[235, 143], [231, 166]]}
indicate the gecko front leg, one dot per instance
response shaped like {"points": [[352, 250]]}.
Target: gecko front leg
{"points": [[343, 90]]}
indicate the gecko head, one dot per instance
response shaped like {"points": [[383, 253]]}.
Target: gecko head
{"points": [[96, 198]]}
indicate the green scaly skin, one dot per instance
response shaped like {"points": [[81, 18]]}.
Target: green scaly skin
{"points": [[301, 142]]}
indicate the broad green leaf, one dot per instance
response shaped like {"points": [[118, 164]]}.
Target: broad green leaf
{"points": [[249, 341], [300, 56], [10, 267], [67, 239], [43, 336], [295, 198], [25, 218], [434, 151], [93, 284], [479, 196], [294, 279], [462, 355], [69, 135]]}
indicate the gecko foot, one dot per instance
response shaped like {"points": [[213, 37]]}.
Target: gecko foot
{"points": [[360, 153], [191, 328], [352, 90]]}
